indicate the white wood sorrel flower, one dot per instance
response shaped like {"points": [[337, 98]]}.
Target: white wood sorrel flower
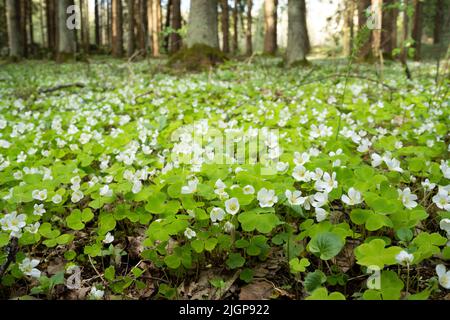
{"points": [[217, 214], [443, 275], [267, 198], [407, 198], [232, 206], [28, 267], [353, 198]]}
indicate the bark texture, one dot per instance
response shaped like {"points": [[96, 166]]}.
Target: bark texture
{"points": [[66, 35], [117, 29], [297, 32], [225, 18], [175, 38], [202, 25], [270, 26], [16, 46]]}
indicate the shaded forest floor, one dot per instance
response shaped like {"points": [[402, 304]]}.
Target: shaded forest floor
{"points": [[78, 127]]}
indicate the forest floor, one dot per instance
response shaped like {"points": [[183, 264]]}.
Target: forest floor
{"points": [[111, 195]]}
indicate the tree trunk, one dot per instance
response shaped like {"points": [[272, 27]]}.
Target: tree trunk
{"points": [[389, 30], [16, 46], [51, 25], [150, 24], [42, 23], [66, 36], [348, 32], [438, 21], [156, 28], [23, 25], [85, 25], [225, 18], [270, 26], [417, 29], [3, 25], [101, 21], [305, 27], [248, 31], [97, 24], [202, 25], [235, 42], [108, 29], [30, 21], [376, 32], [167, 24], [297, 33], [131, 25], [141, 26], [175, 38], [117, 29], [405, 33], [365, 33]]}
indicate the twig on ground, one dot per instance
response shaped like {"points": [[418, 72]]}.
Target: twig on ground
{"points": [[61, 87], [95, 269]]}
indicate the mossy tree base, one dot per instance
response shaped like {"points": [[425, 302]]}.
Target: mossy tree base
{"points": [[62, 57], [197, 58], [13, 59], [299, 64]]}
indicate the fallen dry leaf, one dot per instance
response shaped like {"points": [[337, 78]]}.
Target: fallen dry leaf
{"points": [[346, 258], [260, 290]]}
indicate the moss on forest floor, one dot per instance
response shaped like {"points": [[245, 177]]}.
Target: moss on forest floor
{"points": [[197, 58]]}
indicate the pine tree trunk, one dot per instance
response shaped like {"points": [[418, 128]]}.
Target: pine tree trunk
{"points": [[297, 33], [66, 36], [108, 29], [270, 26], [376, 32], [225, 18], [202, 25], [84, 25], [150, 24], [418, 29], [167, 24], [97, 24], [23, 25], [405, 33], [156, 29], [30, 22], [389, 31], [175, 38], [117, 29], [348, 31], [236, 26], [248, 31], [101, 20], [305, 27], [41, 23], [16, 46], [140, 26], [131, 26], [103, 23], [3, 25], [51, 25]]}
